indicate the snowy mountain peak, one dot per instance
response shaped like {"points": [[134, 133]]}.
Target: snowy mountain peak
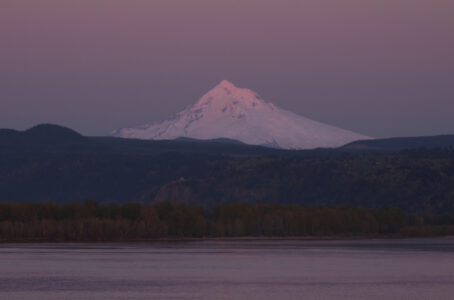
{"points": [[226, 97], [226, 84], [227, 111]]}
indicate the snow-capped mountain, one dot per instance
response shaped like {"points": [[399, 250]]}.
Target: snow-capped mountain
{"points": [[241, 114]]}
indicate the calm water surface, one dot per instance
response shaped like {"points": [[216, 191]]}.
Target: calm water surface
{"points": [[367, 269]]}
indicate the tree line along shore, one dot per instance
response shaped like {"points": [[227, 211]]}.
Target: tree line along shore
{"points": [[91, 221]]}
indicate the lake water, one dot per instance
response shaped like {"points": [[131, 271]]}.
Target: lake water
{"points": [[366, 269]]}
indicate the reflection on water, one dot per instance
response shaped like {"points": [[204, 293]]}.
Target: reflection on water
{"points": [[366, 269]]}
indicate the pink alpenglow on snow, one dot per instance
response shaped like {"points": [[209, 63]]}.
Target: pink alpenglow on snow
{"points": [[227, 111]]}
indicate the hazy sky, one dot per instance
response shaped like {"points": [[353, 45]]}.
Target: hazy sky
{"points": [[382, 67]]}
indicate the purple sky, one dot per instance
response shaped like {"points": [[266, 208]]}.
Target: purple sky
{"points": [[382, 68]]}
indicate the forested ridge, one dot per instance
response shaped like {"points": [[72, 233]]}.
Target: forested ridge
{"points": [[415, 181], [49, 163], [91, 221]]}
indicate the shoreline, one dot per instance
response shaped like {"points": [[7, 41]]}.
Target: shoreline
{"points": [[228, 239]]}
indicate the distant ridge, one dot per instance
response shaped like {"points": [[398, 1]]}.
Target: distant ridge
{"points": [[42, 134], [49, 135], [403, 143], [50, 138], [44, 138], [218, 140]]}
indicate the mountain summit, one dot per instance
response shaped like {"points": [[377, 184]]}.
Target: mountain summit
{"points": [[227, 111]]}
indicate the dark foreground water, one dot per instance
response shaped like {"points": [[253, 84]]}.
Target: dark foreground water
{"points": [[367, 269]]}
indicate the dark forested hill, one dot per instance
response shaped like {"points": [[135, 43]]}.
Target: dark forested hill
{"points": [[56, 164]]}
